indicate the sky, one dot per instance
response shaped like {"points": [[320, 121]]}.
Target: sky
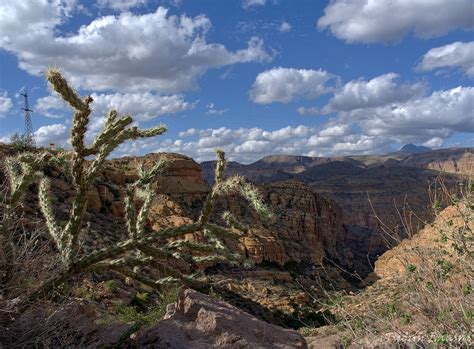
{"points": [[253, 77]]}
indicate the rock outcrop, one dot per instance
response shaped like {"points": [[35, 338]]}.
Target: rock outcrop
{"points": [[457, 160], [304, 230], [200, 322]]}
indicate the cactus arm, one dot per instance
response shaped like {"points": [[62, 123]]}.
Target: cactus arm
{"points": [[72, 229], [120, 263], [111, 130], [142, 215], [128, 245], [155, 284], [233, 222], [45, 202], [218, 179], [130, 214]]}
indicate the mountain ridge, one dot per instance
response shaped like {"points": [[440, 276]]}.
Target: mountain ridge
{"points": [[444, 159], [409, 149]]}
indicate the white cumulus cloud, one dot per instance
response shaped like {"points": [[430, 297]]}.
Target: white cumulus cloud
{"points": [[121, 5], [212, 110], [287, 84], [285, 27], [50, 106], [149, 52], [142, 106], [435, 142], [57, 134], [379, 91], [250, 3], [369, 21], [308, 111], [5, 103], [455, 55], [367, 129], [437, 115]]}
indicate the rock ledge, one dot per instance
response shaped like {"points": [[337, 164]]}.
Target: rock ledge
{"points": [[199, 321]]}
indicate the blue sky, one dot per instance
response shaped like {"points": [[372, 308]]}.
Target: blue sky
{"points": [[254, 77]]}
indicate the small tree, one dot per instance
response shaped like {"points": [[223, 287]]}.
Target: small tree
{"points": [[140, 249], [19, 141]]}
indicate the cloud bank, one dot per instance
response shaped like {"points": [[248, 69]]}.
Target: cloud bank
{"points": [[367, 21], [149, 52]]}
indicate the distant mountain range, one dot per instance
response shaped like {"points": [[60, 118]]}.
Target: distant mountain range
{"points": [[373, 190], [272, 168]]}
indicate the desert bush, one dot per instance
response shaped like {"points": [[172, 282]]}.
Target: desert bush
{"points": [[141, 249], [20, 142]]}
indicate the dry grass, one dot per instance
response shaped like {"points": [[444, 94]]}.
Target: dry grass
{"points": [[424, 294]]}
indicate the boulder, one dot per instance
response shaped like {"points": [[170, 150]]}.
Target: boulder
{"points": [[199, 321]]}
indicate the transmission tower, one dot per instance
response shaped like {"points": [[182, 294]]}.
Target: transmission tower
{"points": [[28, 136]]}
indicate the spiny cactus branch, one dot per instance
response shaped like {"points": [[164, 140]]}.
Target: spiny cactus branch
{"points": [[157, 253], [233, 222], [114, 133], [45, 201], [111, 130], [191, 246], [218, 178], [130, 213], [142, 215], [128, 245], [120, 263], [60, 85], [211, 259], [156, 250], [222, 232], [220, 166], [214, 240], [155, 284], [73, 226], [238, 184], [22, 171], [147, 176]]}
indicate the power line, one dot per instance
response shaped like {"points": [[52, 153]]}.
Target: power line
{"points": [[29, 135]]}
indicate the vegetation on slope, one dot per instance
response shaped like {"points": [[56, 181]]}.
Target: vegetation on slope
{"points": [[423, 293]]}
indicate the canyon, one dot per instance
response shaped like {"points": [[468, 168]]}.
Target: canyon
{"points": [[342, 211], [326, 235], [383, 198]]}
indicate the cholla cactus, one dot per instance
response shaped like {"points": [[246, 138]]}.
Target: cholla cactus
{"points": [[140, 249], [21, 172]]}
